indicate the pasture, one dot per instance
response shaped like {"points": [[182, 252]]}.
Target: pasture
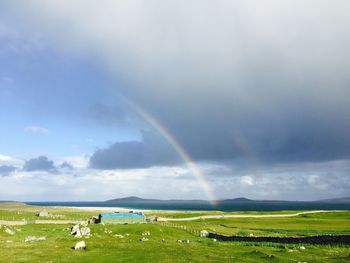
{"points": [[163, 244]]}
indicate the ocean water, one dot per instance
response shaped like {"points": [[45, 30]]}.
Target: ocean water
{"points": [[201, 205]]}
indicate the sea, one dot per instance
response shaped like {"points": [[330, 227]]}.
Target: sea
{"points": [[203, 205]]}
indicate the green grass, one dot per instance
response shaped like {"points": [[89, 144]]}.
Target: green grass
{"points": [[20, 211], [313, 224], [104, 247], [163, 246], [179, 214]]}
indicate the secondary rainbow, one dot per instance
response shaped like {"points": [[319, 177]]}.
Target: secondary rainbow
{"points": [[200, 177]]}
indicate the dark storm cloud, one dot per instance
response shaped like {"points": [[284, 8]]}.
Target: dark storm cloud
{"points": [[151, 151], [5, 170], [41, 163], [288, 134]]}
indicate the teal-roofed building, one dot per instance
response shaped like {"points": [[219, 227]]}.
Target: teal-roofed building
{"points": [[122, 218]]}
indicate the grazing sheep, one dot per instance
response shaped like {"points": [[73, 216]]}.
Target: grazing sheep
{"points": [[80, 245]]}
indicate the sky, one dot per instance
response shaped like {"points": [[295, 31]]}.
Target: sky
{"points": [[174, 99]]}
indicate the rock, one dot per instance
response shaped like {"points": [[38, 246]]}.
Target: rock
{"points": [[204, 233], [79, 232], [33, 238], [74, 229], [146, 233], [85, 231], [214, 239], [152, 219], [84, 223], [144, 239], [302, 248], [43, 213], [93, 220], [80, 245], [10, 231], [30, 238], [251, 235], [118, 235]]}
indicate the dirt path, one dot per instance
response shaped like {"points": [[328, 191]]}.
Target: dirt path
{"points": [[12, 223], [57, 222], [242, 216], [50, 222]]}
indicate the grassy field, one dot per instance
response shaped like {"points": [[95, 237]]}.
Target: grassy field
{"points": [[311, 224], [163, 245], [182, 214]]}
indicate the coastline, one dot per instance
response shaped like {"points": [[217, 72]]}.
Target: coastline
{"points": [[96, 208], [123, 209]]}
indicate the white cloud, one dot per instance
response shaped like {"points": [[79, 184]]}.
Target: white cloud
{"points": [[36, 129], [9, 160], [86, 184], [80, 161], [247, 180], [176, 182], [5, 158]]}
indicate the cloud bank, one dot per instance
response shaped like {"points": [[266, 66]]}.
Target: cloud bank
{"points": [[230, 80], [151, 151], [5, 170], [239, 84], [41, 163]]}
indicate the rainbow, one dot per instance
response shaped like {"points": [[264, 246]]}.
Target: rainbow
{"points": [[194, 168]]}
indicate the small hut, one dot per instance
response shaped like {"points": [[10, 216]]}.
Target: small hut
{"points": [[122, 218]]}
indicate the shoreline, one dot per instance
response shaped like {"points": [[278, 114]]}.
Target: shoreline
{"points": [[96, 208], [125, 209]]}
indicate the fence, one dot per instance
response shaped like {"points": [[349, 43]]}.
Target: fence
{"points": [[192, 231]]}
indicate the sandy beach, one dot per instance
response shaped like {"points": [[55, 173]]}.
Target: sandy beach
{"points": [[121, 209]]}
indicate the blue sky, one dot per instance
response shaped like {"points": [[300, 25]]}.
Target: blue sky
{"points": [[255, 94], [43, 87]]}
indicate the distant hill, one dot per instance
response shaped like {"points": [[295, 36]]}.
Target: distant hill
{"points": [[342, 200], [139, 199], [130, 199], [239, 199]]}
